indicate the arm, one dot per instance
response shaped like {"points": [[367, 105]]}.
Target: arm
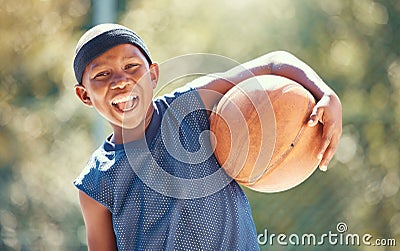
{"points": [[98, 221], [328, 109]]}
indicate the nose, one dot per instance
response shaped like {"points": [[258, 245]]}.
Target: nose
{"points": [[121, 82]]}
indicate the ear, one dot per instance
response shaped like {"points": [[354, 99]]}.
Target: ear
{"points": [[82, 94], [154, 73]]}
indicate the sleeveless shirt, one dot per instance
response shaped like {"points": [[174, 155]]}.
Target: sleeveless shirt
{"points": [[147, 185]]}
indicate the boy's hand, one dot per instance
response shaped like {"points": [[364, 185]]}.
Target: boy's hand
{"points": [[328, 111]]}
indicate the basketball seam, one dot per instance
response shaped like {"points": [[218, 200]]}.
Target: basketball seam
{"points": [[293, 143], [285, 89]]}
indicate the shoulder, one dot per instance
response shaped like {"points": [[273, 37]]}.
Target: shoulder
{"points": [[100, 161], [181, 93], [181, 102], [97, 178]]}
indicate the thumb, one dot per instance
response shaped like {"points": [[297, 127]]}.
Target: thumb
{"points": [[316, 116]]}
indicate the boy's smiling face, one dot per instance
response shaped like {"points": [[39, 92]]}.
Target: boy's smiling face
{"points": [[119, 84]]}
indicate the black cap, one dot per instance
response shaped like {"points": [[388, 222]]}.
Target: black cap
{"points": [[101, 38]]}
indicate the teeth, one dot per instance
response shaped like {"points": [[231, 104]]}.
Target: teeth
{"points": [[124, 99]]}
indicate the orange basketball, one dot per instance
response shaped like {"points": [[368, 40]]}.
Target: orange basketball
{"points": [[260, 133]]}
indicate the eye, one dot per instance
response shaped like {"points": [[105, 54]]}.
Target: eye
{"points": [[101, 75], [130, 66]]}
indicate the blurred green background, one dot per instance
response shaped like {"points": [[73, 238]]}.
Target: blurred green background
{"points": [[47, 135]]}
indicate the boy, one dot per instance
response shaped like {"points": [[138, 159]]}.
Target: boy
{"points": [[121, 208]]}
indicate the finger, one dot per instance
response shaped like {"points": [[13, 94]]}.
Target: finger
{"points": [[331, 149], [326, 142], [328, 155], [316, 116]]}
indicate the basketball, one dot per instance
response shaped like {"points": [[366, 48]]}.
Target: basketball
{"points": [[260, 134]]}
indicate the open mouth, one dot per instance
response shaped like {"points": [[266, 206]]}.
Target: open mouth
{"points": [[126, 104]]}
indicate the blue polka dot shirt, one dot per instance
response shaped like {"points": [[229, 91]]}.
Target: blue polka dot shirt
{"points": [[167, 191]]}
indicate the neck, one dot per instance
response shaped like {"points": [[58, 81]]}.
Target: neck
{"points": [[123, 135]]}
